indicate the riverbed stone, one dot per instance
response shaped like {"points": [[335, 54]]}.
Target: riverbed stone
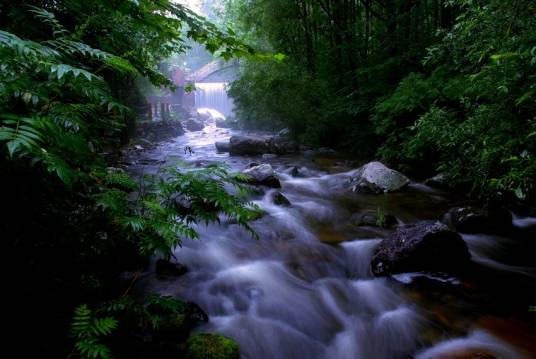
{"points": [[478, 220], [376, 178], [438, 181], [249, 145], [279, 199], [194, 124], [222, 123], [373, 220], [223, 146], [211, 346], [422, 246], [263, 175]]}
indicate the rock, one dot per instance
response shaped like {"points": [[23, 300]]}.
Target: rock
{"points": [[438, 181], [194, 124], [149, 132], [295, 172], [269, 156], [194, 315], [477, 220], [166, 268], [223, 146], [373, 219], [282, 145], [280, 200], [263, 175], [211, 346], [466, 355], [222, 123], [423, 246], [249, 145], [284, 133], [204, 115], [375, 177]]}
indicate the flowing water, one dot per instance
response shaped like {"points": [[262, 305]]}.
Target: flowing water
{"points": [[304, 289], [213, 95]]}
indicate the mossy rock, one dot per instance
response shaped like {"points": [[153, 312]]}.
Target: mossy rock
{"points": [[211, 346]]}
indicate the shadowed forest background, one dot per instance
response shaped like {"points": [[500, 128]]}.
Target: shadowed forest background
{"points": [[428, 87]]}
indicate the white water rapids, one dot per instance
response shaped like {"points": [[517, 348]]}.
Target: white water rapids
{"points": [[291, 294]]}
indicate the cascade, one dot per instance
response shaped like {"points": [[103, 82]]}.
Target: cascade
{"points": [[213, 95]]}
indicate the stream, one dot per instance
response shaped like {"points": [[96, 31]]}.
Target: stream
{"points": [[305, 290]]}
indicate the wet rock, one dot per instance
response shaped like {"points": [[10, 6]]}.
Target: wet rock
{"points": [[295, 172], [149, 132], [222, 123], [284, 133], [466, 355], [249, 145], [269, 156], [223, 146], [375, 177], [204, 116], [373, 220], [282, 145], [263, 175], [438, 181], [478, 220], [166, 268], [280, 200], [211, 346], [194, 124], [422, 246], [194, 314]]}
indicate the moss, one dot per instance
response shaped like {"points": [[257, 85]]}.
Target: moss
{"points": [[211, 346]]}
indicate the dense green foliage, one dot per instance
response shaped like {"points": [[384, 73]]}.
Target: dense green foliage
{"points": [[429, 86], [68, 97]]}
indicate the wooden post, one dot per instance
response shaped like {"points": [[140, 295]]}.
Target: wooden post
{"points": [[163, 111], [150, 112]]}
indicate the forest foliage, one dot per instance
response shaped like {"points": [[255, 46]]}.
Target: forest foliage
{"points": [[429, 86], [68, 99]]}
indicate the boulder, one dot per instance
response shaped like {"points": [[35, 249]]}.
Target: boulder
{"points": [[249, 145], [375, 177], [194, 124], [295, 172], [373, 219], [223, 146], [282, 145], [280, 200], [222, 123], [478, 220], [438, 181], [211, 346], [166, 268], [149, 132], [263, 175], [422, 246]]}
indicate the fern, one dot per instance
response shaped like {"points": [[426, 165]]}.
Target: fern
{"points": [[88, 331]]}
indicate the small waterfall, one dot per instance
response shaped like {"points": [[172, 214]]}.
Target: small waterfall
{"points": [[213, 95]]}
